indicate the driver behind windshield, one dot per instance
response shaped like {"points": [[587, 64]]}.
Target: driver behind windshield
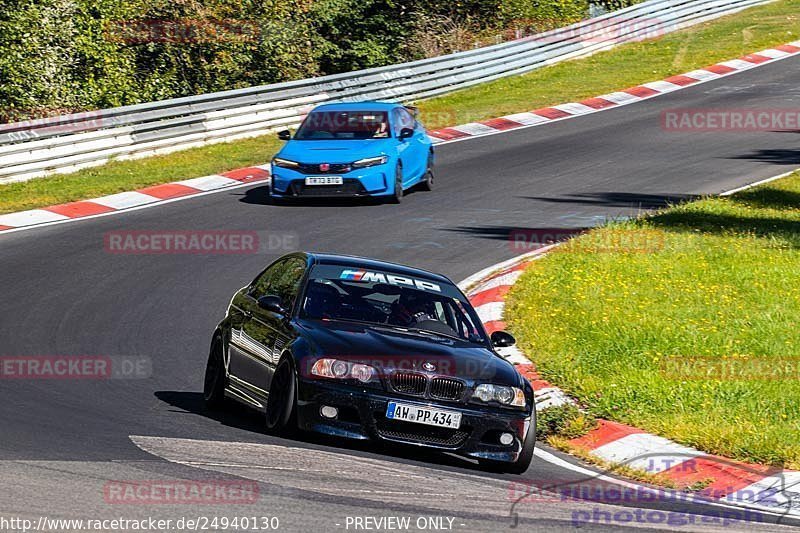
{"points": [[413, 307]]}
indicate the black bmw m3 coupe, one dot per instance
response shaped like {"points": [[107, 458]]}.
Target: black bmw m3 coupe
{"points": [[364, 349]]}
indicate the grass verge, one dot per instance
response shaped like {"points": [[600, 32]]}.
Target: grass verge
{"points": [[630, 64], [119, 176], [683, 323]]}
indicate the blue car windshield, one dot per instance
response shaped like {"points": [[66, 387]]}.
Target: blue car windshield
{"points": [[343, 125], [389, 299]]}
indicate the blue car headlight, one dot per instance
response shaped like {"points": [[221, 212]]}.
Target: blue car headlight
{"points": [[370, 162], [285, 163]]}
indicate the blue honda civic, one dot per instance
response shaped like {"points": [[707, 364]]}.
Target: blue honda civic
{"points": [[354, 149]]}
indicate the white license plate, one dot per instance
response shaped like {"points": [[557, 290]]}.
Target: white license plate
{"points": [[423, 415], [324, 180]]}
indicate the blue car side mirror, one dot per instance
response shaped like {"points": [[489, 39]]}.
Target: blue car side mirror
{"points": [[406, 133]]}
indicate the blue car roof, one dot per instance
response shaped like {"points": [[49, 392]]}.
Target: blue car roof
{"points": [[358, 106]]}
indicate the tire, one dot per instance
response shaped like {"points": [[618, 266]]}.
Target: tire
{"points": [[520, 466], [281, 412], [214, 382], [427, 183], [398, 185]]}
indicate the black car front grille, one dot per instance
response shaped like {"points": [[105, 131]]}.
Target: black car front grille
{"points": [[416, 384], [333, 168], [409, 383], [446, 389], [418, 434]]}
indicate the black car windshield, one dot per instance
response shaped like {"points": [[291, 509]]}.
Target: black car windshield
{"points": [[344, 125], [389, 299]]}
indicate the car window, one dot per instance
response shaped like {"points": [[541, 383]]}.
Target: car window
{"points": [[261, 286], [403, 119], [281, 279], [286, 282]]}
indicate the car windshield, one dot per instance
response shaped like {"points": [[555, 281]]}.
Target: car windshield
{"points": [[389, 299], [343, 125]]}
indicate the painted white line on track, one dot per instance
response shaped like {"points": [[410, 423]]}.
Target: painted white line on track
{"points": [[757, 183]]}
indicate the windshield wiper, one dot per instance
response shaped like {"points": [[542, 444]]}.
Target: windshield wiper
{"points": [[445, 335]]}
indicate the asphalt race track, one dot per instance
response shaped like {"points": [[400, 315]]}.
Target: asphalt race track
{"points": [[63, 294]]}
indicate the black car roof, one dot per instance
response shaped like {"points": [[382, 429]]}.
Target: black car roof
{"points": [[374, 264]]}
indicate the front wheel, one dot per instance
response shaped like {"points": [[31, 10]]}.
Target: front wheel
{"points": [[281, 415], [520, 466], [398, 185], [427, 183], [214, 383]]}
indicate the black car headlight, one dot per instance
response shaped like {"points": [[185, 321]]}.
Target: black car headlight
{"points": [[338, 369], [502, 394], [285, 163], [370, 162]]}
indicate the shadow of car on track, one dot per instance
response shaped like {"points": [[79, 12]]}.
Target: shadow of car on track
{"points": [[626, 200], [774, 156], [249, 420]]}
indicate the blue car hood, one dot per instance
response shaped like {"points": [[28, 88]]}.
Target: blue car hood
{"points": [[345, 151]]}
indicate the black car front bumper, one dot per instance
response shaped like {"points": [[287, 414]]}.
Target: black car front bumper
{"points": [[362, 415]]}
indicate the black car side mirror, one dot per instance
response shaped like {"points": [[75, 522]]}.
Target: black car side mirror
{"points": [[285, 135], [272, 303], [406, 133], [502, 339]]}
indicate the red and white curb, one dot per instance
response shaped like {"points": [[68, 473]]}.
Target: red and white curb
{"points": [[130, 200], [724, 480], [603, 102]]}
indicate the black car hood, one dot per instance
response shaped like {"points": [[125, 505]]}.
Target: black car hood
{"points": [[388, 348]]}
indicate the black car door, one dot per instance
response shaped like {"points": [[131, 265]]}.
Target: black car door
{"points": [[248, 359], [265, 333]]}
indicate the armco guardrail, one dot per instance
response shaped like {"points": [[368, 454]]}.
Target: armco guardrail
{"points": [[63, 144]]}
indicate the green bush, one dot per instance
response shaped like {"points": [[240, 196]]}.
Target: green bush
{"points": [[58, 56], [565, 421]]}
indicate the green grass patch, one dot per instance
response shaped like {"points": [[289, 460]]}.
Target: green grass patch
{"points": [[631, 64], [119, 176], [683, 323]]}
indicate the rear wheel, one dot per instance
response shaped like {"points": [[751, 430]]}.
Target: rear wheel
{"points": [[427, 183], [398, 185], [281, 415], [214, 383]]}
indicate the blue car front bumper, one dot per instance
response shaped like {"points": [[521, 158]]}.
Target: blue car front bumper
{"points": [[374, 181]]}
